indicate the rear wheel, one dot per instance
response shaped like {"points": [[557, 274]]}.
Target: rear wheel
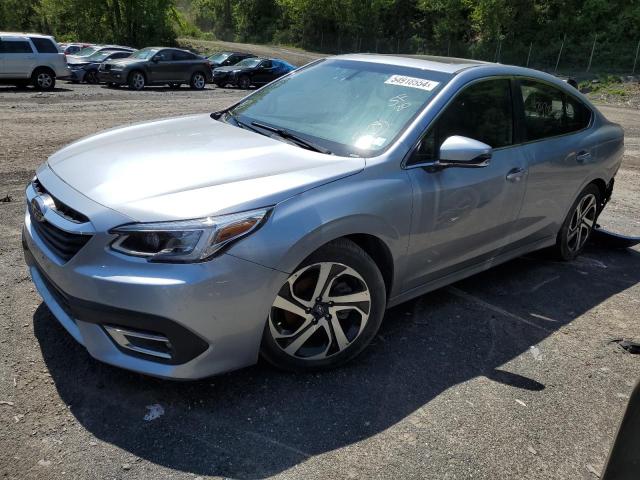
{"points": [[136, 80], [43, 79], [327, 312], [198, 81], [244, 82], [579, 224], [91, 77]]}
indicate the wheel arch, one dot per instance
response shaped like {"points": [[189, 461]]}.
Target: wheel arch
{"points": [[44, 67]]}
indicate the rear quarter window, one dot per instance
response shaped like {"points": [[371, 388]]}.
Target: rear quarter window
{"points": [[44, 45], [549, 111]]}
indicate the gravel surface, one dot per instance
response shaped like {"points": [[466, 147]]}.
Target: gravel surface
{"points": [[509, 374]]}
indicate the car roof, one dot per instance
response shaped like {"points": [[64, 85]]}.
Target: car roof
{"points": [[18, 34], [426, 62]]}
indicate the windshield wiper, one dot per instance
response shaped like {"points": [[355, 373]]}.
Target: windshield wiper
{"points": [[287, 135]]}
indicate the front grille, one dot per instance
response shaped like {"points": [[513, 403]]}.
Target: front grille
{"points": [[61, 208], [62, 243]]}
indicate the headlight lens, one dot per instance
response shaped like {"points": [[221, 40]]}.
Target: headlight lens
{"points": [[186, 241]]}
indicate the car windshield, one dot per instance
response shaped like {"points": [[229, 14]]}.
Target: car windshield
{"points": [[248, 62], [85, 52], [144, 54], [219, 57], [99, 56], [348, 107]]}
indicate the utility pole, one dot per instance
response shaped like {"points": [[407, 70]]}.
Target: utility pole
{"points": [[635, 61], [529, 54], [560, 53], [593, 48]]}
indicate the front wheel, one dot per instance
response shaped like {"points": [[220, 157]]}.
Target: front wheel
{"points": [[579, 224], [328, 310], [198, 81], [136, 81], [91, 77], [244, 82]]}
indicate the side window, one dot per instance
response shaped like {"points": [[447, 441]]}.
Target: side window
{"points": [[44, 45], [179, 55], [119, 55], [15, 46], [548, 111], [164, 56], [266, 64], [483, 111]]}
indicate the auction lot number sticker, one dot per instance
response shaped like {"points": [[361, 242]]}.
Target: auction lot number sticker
{"points": [[412, 82]]}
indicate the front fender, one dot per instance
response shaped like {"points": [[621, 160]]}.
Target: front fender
{"points": [[359, 204]]}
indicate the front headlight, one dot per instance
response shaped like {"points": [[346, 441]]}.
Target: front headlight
{"points": [[188, 240]]}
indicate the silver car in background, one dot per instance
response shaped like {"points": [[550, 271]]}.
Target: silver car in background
{"points": [[31, 59], [284, 226]]}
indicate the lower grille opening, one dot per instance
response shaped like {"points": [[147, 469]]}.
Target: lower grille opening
{"points": [[144, 343]]}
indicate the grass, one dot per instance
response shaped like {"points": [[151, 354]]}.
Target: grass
{"points": [[293, 55]]}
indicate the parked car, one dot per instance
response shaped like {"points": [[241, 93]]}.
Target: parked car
{"points": [[224, 59], [251, 71], [285, 225], [31, 58], [72, 48], [91, 49], [85, 69], [157, 66]]}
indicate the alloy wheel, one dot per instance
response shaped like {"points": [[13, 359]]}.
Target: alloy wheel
{"points": [[582, 222], [44, 80], [320, 311], [138, 81], [199, 81]]}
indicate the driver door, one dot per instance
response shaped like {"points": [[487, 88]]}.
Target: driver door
{"points": [[160, 68], [463, 216], [263, 73]]}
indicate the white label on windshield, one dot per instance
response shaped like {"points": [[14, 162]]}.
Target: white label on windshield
{"points": [[412, 82]]}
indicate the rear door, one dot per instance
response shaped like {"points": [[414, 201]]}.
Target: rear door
{"points": [[463, 217], [17, 58], [184, 64], [559, 148]]}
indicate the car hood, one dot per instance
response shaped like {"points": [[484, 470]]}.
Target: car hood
{"points": [[192, 167], [232, 68]]}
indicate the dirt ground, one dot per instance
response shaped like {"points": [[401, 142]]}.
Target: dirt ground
{"points": [[508, 374]]}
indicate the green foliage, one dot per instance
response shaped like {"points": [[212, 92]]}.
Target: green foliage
{"points": [[510, 31]]}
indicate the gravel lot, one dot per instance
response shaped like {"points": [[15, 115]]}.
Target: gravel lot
{"points": [[508, 374]]}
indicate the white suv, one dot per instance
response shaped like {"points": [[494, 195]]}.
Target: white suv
{"points": [[31, 58]]}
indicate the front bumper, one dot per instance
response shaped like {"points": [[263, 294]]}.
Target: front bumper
{"points": [[112, 76], [77, 74], [212, 313]]}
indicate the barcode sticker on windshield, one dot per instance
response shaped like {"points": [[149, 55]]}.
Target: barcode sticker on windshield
{"points": [[412, 82]]}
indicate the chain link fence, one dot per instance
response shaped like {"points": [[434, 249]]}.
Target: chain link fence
{"points": [[562, 55]]}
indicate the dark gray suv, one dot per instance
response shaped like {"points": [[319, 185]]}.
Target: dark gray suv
{"points": [[157, 66]]}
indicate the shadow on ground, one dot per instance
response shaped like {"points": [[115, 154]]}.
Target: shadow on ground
{"points": [[258, 422]]}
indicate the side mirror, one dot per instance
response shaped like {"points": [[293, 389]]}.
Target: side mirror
{"points": [[463, 152]]}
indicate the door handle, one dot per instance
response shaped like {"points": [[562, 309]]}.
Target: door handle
{"points": [[583, 156], [516, 174]]}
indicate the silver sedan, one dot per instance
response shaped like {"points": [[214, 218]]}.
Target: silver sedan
{"points": [[285, 225]]}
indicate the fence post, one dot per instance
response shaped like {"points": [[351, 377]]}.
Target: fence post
{"points": [[635, 60], [564, 39], [529, 54], [593, 48]]}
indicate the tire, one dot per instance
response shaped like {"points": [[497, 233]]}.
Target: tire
{"points": [[577, 227], [43, 79], [91, 77], [137, 80], [244, 82], [303, 334], [198, 81], [175, 86]]}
